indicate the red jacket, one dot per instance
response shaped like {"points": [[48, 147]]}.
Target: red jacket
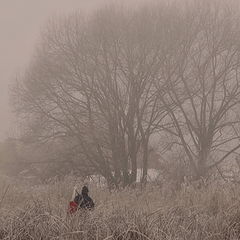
{"points": [[73, 206]]}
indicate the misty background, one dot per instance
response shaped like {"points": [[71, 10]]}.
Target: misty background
{"points": [[21, 23], [137, 100]]}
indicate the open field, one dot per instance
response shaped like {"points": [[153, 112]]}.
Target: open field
{"points": [[40, 213]]}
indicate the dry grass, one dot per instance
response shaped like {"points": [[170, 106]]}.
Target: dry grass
{"points": [[40, 213]]}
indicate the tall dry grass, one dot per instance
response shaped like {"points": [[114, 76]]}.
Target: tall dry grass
{"points": [[40, 213]]}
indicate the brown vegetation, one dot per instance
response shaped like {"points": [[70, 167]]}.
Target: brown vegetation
{"points": [[40, 213]]}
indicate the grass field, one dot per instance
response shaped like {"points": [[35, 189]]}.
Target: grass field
{"points": [[155, 213]]}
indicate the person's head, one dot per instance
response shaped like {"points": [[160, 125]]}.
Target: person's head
{"points": [[85, 190]]}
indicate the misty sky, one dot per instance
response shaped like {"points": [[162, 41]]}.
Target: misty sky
{"points": [[20, 23]]}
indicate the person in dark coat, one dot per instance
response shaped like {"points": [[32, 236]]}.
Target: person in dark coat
{"points": [[83, 200]]}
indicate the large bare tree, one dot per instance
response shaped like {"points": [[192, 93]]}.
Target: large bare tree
{"points": [[93, 83], [203, 82]]}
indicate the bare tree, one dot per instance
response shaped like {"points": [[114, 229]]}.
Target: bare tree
{"points": [[93, 84], [203, 82], [105, 85]]}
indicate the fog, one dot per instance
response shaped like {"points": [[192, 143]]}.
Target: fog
{"points": [[20, 24], [130, 112]]}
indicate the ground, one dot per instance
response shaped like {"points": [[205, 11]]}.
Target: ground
{"points": [[40, 212]]}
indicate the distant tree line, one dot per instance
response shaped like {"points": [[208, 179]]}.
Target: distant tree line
{"points": [[105, 85]]}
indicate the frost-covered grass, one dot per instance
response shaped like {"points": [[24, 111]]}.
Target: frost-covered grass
{"points": [[154, 213]]}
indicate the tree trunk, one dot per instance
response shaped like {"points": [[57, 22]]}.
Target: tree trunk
{"points": [[134, 167], [145, 163]]}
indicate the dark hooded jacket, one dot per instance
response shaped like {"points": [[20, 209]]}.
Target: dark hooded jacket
{"points": [[83, 200]]}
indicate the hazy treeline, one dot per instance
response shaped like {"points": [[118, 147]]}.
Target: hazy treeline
{"points": [[102, 88]]}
